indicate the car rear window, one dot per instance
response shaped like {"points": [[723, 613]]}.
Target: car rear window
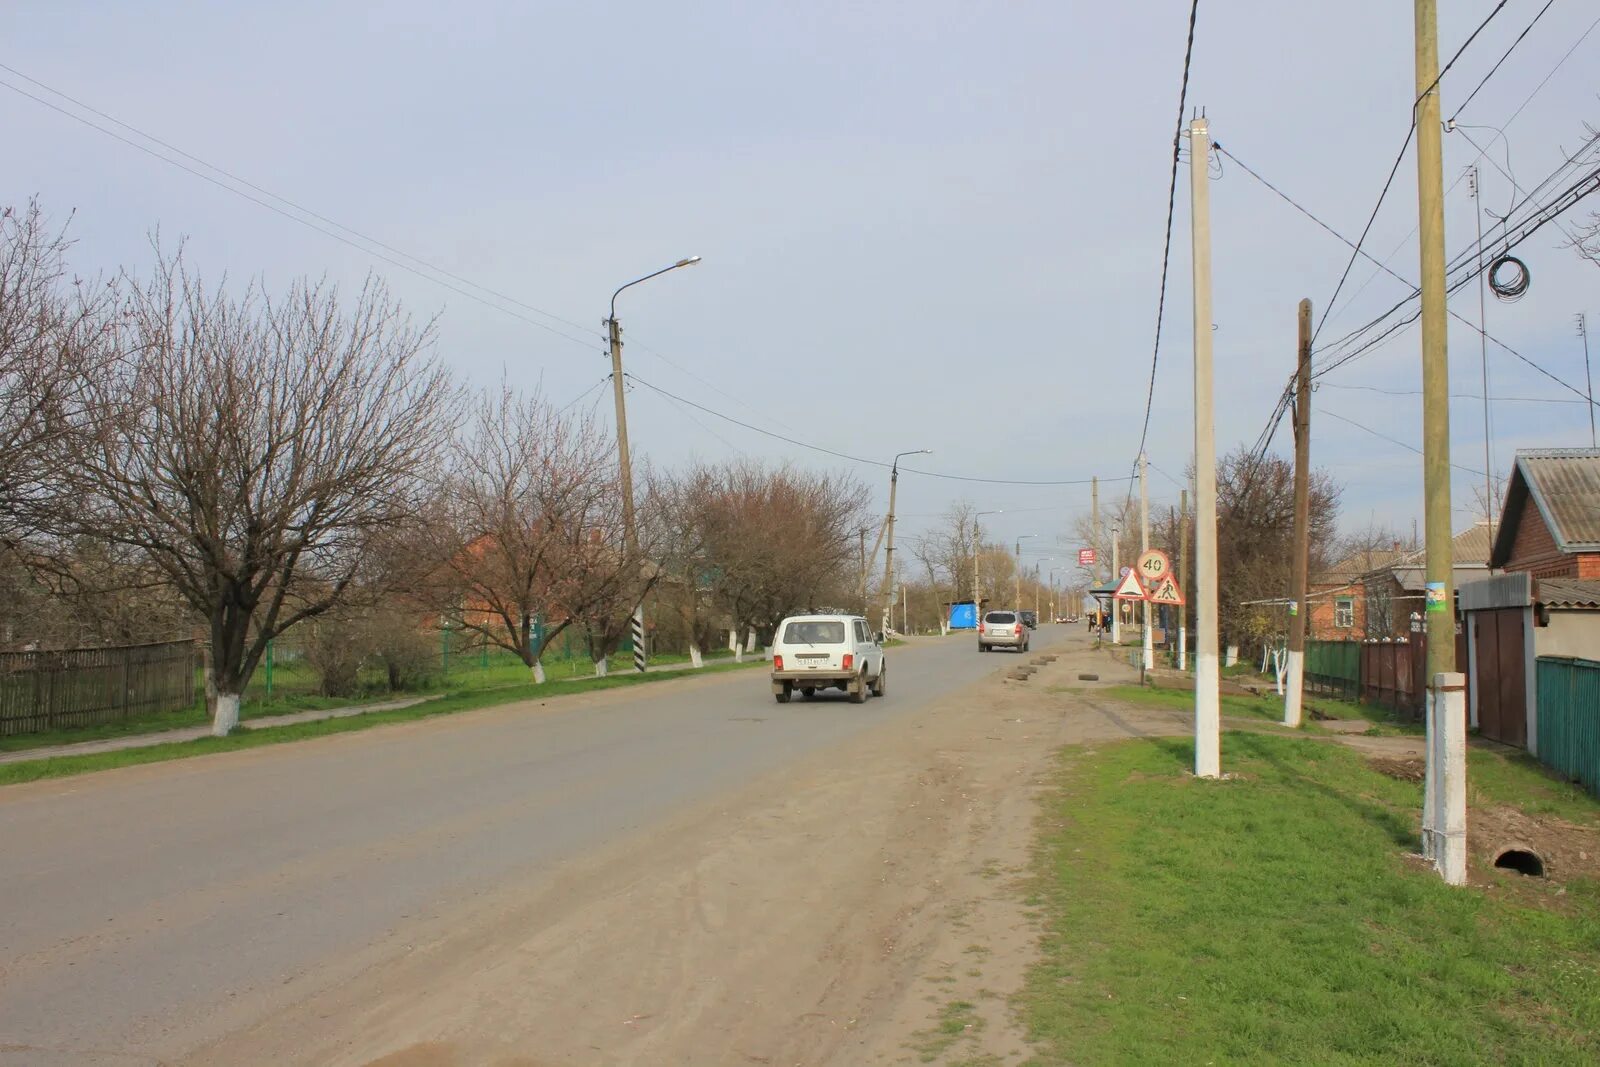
{"points": [[814, 633], [1000, 616]]}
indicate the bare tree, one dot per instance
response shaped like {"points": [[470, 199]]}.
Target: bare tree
{"points": [[52, 343], [256, 448], [529, 527], [1255, 534]]}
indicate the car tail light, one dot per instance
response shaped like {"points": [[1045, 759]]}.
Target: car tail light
{"points": [[1017, 629], [777, 663], [849, 661]]}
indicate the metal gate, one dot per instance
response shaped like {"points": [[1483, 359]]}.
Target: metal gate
{"points": [[1502, 675]]}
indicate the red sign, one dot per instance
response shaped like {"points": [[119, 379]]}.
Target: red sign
{"points": [[1129, 588], [1086, 557]]}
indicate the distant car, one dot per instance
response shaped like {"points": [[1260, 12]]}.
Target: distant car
{"points": [[812, 652], [1002, 629], [1030, 619]]}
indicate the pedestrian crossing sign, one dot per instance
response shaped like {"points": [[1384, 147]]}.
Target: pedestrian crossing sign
{"points": [[1166, 591]]}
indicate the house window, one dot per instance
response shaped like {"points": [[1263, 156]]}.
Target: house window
{"points": [[1344, 613]]}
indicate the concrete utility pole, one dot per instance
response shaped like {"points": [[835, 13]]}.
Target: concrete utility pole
{"points": [[1183, 578], [1207, 674], [863, 532], [977, 608], [630, 531], [888, 559], [1116, 575], [1294, 695], [1144, 546], [1094, 511], [1018, 573], [1445, 832]]}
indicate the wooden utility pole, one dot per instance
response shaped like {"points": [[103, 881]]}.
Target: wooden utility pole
{"points": [[888, 559], [1445, 818], [1299, 609], [1183, 578], [1207, 672]]}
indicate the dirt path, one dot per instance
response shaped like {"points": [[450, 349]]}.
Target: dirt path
{"points": [[842, 911]]}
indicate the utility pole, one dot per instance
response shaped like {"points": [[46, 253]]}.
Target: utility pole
{"points": [[1483, 354], [888, 557], [1294, 695], [1207, 675], [630, 531], [863, 570], [1116, 571], [1183, 578], [1144, 546], [1583, 332], [1018, 571], [1094, 511], [1445, 825]]}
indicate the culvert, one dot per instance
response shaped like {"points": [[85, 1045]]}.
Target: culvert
{"points": [[1521, 859]]}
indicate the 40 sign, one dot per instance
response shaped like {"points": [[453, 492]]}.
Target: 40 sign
{"points": [[1153, 565]]}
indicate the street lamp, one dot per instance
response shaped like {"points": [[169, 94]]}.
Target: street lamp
{"points": [[976, 591], [1018, 572], [630, 533], [888, 559]]}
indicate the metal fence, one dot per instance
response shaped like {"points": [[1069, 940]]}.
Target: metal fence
{"points": [[1569, 718], [86, 686], [1334, 668]]}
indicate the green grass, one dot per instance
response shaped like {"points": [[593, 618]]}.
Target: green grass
{"points": [[1269, 709], [294, 689], [1519, 781], [467, 700], [1275, 918]]}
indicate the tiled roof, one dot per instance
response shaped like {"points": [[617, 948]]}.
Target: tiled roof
{"points": [[1472, 546], [1564, 483], [1569, 593]]}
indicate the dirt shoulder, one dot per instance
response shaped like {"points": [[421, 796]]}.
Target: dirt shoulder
{"points": [[858, 908]]}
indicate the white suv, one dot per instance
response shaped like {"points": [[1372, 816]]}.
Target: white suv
{"points": [[812, 652], [1003, 629]]}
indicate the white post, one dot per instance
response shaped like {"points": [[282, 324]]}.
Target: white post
{"points": [[1449, 697], [1207, 677], [227, 717], [1116, 571], [696, 660], [601, 666], [1430, 777], [1293, 704]]}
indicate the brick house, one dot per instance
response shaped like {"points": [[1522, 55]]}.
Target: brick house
{"points": [[1337, 595], [1558, 536]]}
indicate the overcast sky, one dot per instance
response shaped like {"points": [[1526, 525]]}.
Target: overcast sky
{"points": [[924, 225]]}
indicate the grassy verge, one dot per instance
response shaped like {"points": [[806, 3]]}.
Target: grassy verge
{"points": [[470, 700], [1274, 918], [1268, 708], [297, 693]]}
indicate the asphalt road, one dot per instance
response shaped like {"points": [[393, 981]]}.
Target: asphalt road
{"points": [[149, 910]]}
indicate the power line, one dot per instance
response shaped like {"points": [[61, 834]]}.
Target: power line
{"points": [[575, 401], [1391, 440], [1166, 247], [1453, 396], [847, 456], [328, 230], [1277, 415], [1501, 60], [1394, 169]]}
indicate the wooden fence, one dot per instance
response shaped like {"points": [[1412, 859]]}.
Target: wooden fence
{"points": [[1394, 673], [78, 687], [1569, 718]]}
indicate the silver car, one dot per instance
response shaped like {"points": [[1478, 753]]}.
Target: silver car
{"points": [[1002, 629]]}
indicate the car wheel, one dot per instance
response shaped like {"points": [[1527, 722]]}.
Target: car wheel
{"points": [[858, 689], [782, 698], [880, 684]]}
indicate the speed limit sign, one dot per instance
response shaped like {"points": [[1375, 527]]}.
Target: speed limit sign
{"points": [[1153, 565]]}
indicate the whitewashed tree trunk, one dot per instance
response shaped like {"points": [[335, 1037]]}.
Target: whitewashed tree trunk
{"points": [[538, 672], [227, 716], [738, 651], [696, 660], [601, 665], [1231, 657], [733, 639], [750, 641]]}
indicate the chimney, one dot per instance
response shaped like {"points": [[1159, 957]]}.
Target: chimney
{"points": [[1397, 546]]}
